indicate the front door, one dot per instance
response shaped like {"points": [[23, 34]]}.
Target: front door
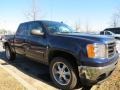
{"points": [[36, 44]]}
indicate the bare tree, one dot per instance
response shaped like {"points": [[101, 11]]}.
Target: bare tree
{"points": [[77, 26], [115, 21], [34, 12], [34, 9], [87, 27]]}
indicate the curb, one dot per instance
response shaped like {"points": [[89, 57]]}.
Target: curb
{"points": [[94, 87], [22, 81]]}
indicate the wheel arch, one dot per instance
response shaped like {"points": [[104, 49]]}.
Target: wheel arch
{"points": [[59, 53], [6, 43]]}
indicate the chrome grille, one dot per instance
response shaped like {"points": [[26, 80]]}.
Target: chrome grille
{"points": [[111, 49]]}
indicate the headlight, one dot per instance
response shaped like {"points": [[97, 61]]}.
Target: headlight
{"points": [[96, 51]]}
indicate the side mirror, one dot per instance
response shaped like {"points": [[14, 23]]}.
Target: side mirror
{"points": [[37, 32]]}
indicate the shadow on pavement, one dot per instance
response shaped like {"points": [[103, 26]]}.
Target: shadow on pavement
{"points": [[33, 69]]}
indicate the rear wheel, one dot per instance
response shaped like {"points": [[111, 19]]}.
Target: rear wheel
{"points": [[10, 56], [63, 74]]}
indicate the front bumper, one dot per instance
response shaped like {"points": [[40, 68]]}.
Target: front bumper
{"points": [[92, 75]]}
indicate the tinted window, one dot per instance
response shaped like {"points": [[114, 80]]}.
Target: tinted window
{"points": [[55, 27], [22, 29], [114, 30], [107, 33], [102, 33]]}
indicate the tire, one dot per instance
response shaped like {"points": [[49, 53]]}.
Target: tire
{"points": [[87, 88], [65, 78], [10, 56]]}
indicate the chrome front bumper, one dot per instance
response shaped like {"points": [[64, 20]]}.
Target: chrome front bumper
{"points": [[96, 74]]}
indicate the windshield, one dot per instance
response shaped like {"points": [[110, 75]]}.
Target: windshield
{"points": [[56, 28], [114, 30]]}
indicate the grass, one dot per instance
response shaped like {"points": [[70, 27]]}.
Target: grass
{"points": [[113, 82], [7, 82]]}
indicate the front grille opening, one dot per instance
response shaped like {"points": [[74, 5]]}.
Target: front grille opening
{"points": [[111, 49], [101, 77], [110, 73]]}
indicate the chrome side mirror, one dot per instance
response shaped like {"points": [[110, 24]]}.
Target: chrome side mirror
{"points": [[37, 32]]}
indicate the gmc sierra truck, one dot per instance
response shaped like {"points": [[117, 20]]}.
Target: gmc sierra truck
{"points": [[74, 59]]}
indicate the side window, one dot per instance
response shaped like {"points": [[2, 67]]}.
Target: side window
{"points": [[63, 29], [107, 33], [21, 29], [35, 25], [102, 33]]}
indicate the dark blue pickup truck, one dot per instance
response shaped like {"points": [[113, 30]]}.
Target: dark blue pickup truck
{"points": [[74, 59]]}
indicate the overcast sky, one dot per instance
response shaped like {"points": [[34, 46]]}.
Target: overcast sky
{"points": [[95, 13]]}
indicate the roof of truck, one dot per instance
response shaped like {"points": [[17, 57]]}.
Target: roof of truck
{"points": [[109, 29], [40, 21]]}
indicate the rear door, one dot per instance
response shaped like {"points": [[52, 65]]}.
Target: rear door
{"points": [[36, 44], [19, 40]]}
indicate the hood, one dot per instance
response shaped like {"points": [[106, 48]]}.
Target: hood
{"points": [[116, 35], [92, 37]]}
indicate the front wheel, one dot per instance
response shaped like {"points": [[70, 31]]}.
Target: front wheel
{"points": [[10, 56], [63, 74]]}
